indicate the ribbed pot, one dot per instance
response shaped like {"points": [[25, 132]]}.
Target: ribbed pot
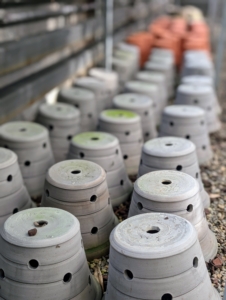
{"points": [[143, 106], [50, 264], [79, 187], [177, 193], [97, 87], [126, 126], [204, 97], [104, 150], [13, 194], [151, 90], [63, 122], [188, 122], [30, 141], [171, 153], [157, 242], [84, 100]]}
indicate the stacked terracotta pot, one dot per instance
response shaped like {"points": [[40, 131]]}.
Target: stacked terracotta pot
{"points": [[104, 149], [110, 78], [204, 97], [144, 107], [80, 187], [172, 153], [188, 122], [30, 141], [157, 78], [97, 87], [42, 257], [157, 256], [13, 194], [63, 122], [84, 100], [151, 90], [126, 126], [176, 193]]}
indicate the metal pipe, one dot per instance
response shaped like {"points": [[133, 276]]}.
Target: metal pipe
{"points": [[109, 19], [221, 48]]}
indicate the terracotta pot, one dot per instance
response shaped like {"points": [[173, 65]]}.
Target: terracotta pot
{"points": [[188, 122], [157, 241]]}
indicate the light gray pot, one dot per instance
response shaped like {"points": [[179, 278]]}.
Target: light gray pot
{"points": [[172, 153], [151, 90], [97, 87], [53, 259], [188, 122], [143, 106], [81, 182], [123, 123], [84, 100], [177, 193], [157, 241], [204, 97]]}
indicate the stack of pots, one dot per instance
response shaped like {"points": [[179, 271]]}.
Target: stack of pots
{"points": [[157, 256], [110, 78], [143, 106], [176, 193], [199, 80], [84, 100], [30, 141], [126, 126], [172, 153], [63, 122], [188, 122], [80, 187], [151, 90], [104, 149], [203, 96], [164, 64], [134, 50], [13, 194], [42, 257], [197, 62], [164, 53], [156, 78], [97, 87]]}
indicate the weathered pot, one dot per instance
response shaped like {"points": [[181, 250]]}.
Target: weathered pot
{"points": [[157, 78], [124, 68], [172, 153], [123, 123], [188, 122], [143, 106], [81, 183], [177, 193], [84, 100], [30, 141], [143, 250], [97, 87], [204, 97], [53, 259], [149, 89], [110, 78]]}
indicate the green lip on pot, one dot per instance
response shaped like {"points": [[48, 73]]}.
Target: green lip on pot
{"points": [[117, 113]]}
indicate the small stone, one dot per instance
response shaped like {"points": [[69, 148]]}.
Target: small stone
{"points": [[32, 232], [217, 262]]}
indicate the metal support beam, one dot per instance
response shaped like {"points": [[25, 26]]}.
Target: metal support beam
{"points": [[109, 20], [221, 47]]}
